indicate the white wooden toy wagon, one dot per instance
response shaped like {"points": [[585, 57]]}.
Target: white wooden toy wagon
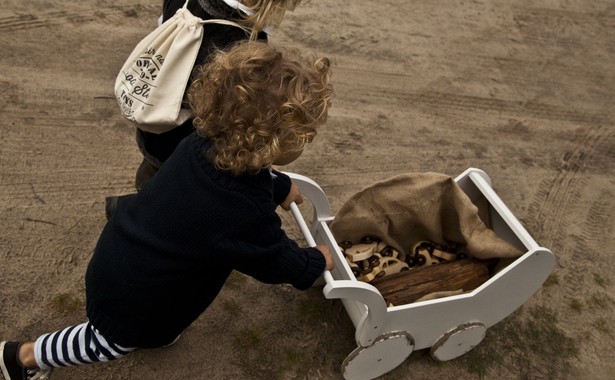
{"points": [[450, 326]]}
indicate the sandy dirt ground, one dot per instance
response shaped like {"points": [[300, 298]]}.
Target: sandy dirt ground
{"points": [[521, 89]]}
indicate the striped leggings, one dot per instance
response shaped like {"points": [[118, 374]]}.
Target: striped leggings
{"points": [[76, 345]]}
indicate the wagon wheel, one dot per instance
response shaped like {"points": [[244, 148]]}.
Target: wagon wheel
{"points": [[458, 341], [387, 352]]}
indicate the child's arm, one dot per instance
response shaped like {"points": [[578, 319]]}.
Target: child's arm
{"points": [[328, 258], [294, 195], [261, 249], [282, 186], [285, 191]]}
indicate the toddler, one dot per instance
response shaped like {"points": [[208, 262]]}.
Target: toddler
{"points": [[167, 250]]}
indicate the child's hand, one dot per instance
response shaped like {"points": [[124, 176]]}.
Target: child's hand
{"points": [[328, 258], [294, 195]]}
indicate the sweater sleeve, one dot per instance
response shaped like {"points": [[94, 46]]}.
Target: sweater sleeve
{"points": [[262, 250], [281, 186]]}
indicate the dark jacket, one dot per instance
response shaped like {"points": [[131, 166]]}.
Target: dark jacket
{"points": [[167, 251]]}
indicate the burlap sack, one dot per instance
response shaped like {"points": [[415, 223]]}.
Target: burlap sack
{"points": [[410, 208]]}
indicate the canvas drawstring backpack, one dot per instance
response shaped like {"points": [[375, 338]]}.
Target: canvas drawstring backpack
{"points": [[151, 84]]}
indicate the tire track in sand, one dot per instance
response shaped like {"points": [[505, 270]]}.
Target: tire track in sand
{"points": [[25, 21], [550, 203], [558, 200]]}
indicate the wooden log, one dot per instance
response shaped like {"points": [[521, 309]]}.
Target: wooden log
{"points": [[407, 287]]}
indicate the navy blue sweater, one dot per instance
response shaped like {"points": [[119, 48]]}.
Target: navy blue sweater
{"points": [[167, 251]]}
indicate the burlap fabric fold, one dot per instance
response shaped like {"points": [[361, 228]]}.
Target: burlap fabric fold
{"points": [[410, 208]]}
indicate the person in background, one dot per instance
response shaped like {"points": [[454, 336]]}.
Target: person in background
{"points": [[255, 15]]}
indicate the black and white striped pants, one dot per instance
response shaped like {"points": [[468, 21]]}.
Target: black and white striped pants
{"points": [[76, 345]]}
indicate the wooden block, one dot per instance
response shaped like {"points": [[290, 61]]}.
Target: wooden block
{"points": [[406, 287]]}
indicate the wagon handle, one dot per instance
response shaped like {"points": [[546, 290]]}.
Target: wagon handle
{"points": [[369, 318], [308, 236], [312, 191]]}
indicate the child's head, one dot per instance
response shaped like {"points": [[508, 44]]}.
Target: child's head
{"points": [[267, 13], [260, 104]]}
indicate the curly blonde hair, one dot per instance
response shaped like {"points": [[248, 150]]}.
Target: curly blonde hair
{"points": [[257, 103], [266, 13]]}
